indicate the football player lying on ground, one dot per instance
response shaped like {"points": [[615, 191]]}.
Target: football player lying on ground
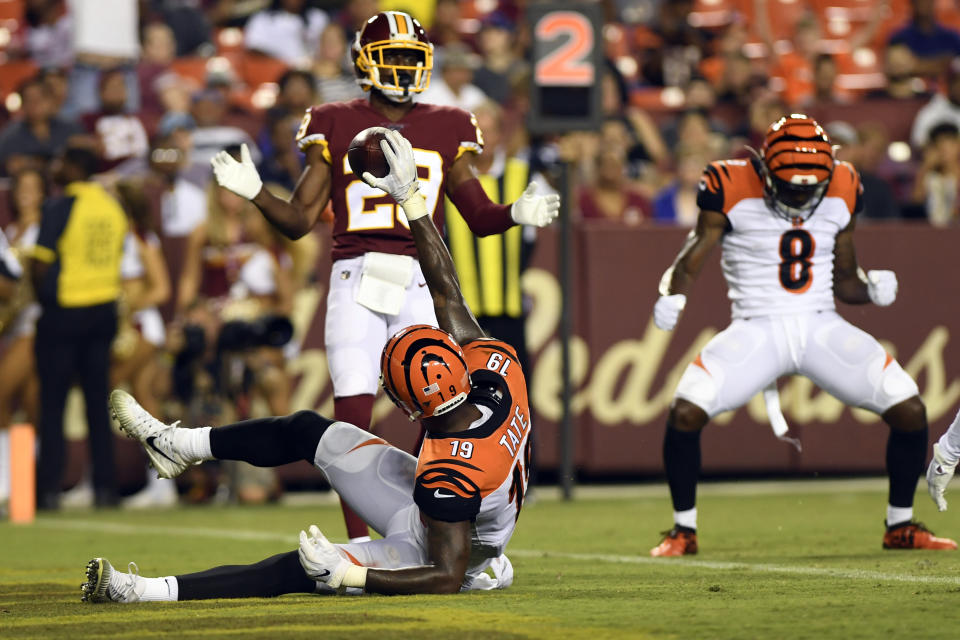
{"points": [[785, 220], [946, 453], [445, 518]]}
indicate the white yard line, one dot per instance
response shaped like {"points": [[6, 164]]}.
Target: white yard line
{"points": [[679, 563]]}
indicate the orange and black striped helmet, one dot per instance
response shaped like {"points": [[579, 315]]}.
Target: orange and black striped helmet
{"points": [[424, 372], [798, 161]]}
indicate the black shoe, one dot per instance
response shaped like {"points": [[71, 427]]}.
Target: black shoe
{"points": [[105, 498], [48, 502]]}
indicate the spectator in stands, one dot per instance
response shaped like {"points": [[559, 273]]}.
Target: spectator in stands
{"points": [[675, 60], [188, 23], [879, 201], [646, 149], [355, 13], [105, 37], [902, 80], [297, 94], [117, 136], [332, 68], [46, 34], [825, 88], [500, 60], [446, 27], [938, 180], [796, 64], [209, 110], [454, 87], [183, 204], [287, 30], [141, 333], [282, 165], [38, 134], [76, 274], [943, 107], [18, 316], [611, 196], [932, 43], [677, 202], [58, 83], [10, 274], [737, 88], [153, 70]]}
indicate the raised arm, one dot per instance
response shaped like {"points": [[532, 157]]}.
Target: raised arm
{"points": [[453, 314], [485, 217], [294, 218], [679, 278], [850, 284]]}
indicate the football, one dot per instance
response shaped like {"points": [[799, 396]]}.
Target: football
{"points": [[365, 154]]}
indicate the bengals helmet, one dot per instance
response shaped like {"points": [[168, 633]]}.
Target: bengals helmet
{"points": [[797, 161], [423, 370], [390, 31]]}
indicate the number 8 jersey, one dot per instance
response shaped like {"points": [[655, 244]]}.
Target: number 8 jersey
{"points": [[365, 218], [773, 265], [481, 474]]}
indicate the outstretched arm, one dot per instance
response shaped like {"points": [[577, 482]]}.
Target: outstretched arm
{"points": [[294, 218], [453, 314], [448, 554]]}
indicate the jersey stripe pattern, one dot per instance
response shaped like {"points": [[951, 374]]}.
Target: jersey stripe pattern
{"points": [[481, 474]]}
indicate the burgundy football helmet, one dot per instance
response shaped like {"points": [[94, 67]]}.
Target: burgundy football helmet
{"points": [[396, 32]]}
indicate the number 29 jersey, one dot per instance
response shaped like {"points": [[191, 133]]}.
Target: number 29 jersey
{"points": [[772, 265], [367, 219], [481, 474]]}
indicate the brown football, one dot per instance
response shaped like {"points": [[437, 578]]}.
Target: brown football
{"points": [[365, 154]]}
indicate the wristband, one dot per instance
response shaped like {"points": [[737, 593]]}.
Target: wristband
{"points": [[414, 206], [354, 577]]}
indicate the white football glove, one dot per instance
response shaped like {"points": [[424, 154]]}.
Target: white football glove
{"points": [[667, 311], [535, 210], [320, 559], [882, 287], [401, 181], [938, 477], [240, 177]]}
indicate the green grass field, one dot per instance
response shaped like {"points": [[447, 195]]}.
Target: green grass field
{"points": [[793, 560]]}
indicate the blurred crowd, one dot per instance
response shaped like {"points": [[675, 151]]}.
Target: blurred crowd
{"points": [[155, 88]]}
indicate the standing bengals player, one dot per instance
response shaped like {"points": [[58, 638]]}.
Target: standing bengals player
{"points": [[445, 518], [785, 220], [376, 286]]}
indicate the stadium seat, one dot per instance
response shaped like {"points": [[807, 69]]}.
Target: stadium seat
{"points": [[191, 68], [257, 69], [12, 74], [11, 10]]}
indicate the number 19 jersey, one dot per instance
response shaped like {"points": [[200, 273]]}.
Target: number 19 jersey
{"points": [[367, 219], [775, 266], [481, 474]]}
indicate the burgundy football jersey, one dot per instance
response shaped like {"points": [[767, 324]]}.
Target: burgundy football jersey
{"points": [[366, 219], [122, 135]]}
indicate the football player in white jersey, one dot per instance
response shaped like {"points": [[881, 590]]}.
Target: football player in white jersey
{"points": [[785, 221]]}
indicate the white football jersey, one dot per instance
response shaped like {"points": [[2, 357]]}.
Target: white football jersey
{"points": [[775, 266]]}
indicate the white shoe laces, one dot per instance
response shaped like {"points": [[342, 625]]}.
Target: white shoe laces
{"points": [[126, 584]]}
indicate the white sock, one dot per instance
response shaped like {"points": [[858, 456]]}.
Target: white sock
{"points": [[157, 590], [950, 441], [686, 518], [193, 444], [898, 515]]}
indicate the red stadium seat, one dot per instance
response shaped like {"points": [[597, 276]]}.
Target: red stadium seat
{"points": [[11, 10], [12, 74], [191, 68], [257, 69]]}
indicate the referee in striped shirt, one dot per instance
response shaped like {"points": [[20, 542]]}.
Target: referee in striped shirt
{"points": [[76, 275]]}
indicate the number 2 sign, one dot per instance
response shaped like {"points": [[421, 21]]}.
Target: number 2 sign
{"points": [[567, 50]]}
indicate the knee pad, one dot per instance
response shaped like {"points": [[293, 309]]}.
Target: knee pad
{"points": [[697, 386], [341, 446], [895, 386]]}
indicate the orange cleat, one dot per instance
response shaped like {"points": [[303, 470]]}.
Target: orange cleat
{"points": [[679, 541], [914, 535]]}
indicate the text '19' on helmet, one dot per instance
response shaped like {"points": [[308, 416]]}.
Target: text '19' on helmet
{"points": [[797, 162], [424, 372], [392, 53]]}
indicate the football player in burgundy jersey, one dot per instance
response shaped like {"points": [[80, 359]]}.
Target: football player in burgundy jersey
{"points": [[376, 284], [445, 517]]}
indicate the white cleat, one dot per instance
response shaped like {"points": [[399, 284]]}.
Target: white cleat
{"points": [[155, 436], [106, 584]]}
